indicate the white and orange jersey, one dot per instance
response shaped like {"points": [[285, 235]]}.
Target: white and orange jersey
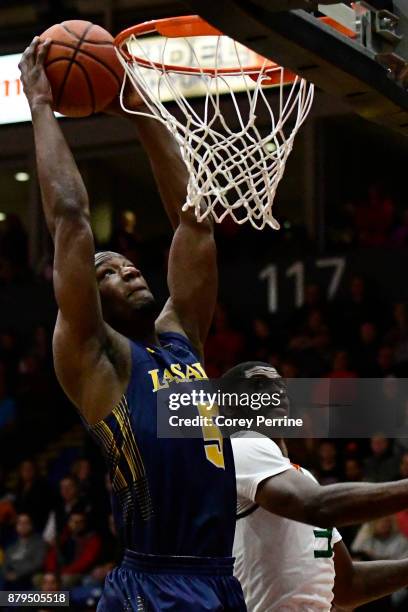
{"points": [[281, 564]]}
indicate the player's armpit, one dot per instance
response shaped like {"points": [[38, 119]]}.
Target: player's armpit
{"points": [[168, 321], [93, 374]]}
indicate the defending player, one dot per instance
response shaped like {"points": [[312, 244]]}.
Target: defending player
{"points": [[284, 564], [174, 500]]}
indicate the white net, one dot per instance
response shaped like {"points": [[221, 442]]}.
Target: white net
{"points": [[234, 166]]}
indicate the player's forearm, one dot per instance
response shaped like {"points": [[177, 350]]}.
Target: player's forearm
{"points": [[349, 503], [169, 169], [370, 580], [62, 189]]}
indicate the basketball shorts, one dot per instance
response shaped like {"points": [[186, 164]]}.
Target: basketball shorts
{"points": [[152, 583]]}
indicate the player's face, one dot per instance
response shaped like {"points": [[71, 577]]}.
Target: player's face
{"points": [[275, 387], [122, 287]]}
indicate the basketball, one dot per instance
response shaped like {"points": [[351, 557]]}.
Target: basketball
{"points": [[82, 67]]}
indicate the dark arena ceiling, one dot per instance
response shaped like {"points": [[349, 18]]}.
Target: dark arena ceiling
{"points": [[20, 20]]}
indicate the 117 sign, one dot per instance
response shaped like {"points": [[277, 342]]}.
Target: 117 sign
{"points": [[273, 276]]}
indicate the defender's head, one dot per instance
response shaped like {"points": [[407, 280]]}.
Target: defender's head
{"points": [[256, 378], [125, 295]]}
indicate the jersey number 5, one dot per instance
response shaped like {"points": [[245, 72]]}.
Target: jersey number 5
{"points": [[213, 442]]}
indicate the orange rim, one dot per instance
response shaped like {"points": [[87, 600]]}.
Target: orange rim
{"points": [[193, 25]]}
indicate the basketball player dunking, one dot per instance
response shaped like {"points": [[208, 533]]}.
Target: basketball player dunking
{"points": [[283, 563], [174, 500]]}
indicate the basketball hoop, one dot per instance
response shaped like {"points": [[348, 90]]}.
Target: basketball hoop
{"points": [[233, 168]]}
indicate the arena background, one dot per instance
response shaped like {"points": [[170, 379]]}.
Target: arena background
{"points": [[325, 296]]}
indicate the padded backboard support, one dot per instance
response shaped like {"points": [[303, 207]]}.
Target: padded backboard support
{"points": [[369, 72]]}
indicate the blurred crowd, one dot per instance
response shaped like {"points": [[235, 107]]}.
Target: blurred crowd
{"points": [[57, 535], [372, 219]]}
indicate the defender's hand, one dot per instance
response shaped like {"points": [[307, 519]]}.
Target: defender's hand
{"points": [[35, 82]]}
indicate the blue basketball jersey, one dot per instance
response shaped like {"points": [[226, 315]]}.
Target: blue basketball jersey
{"points": [[169, 496]]}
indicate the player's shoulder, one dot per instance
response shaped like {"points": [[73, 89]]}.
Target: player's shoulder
{"points": [[254, 452], [245, 441], [309, 474], [95, 374], [178, 342]]}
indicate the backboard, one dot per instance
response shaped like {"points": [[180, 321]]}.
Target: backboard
{"points": [[355, 51]]}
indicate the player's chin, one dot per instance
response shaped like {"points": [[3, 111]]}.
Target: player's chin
{"points": [[142, 300]]}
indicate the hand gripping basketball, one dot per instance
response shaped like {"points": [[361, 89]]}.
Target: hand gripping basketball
{"points": [[35, 82]]}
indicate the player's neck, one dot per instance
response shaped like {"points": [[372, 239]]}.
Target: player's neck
{"points": [[140, 330], [143, 333]]}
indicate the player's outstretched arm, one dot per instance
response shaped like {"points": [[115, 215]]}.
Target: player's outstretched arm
{"points": [[192, 267], [80, 338], [292, 495], [359, 582]]}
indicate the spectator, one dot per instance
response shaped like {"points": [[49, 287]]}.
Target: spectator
{"points": [[400, 234], [24, 558], [403, 468], [312, 301], [33, 494], [41, 345], [7, 513], [68, 501], [402, 422], [9, 356], [82, 473], [50, 581], [327, 470], [91, 491], [260, 339], [402, 522], [353, 470], [224, 346], [77, 551], [373, 217], [341, 367], [381, 540], [397, 336], [313, 334], [402, 517], [365, 349], [382, 465], [110, 556], [356, 309], [33, 378], [385, 362], [8, 411], [311, 345], [288, 369]]}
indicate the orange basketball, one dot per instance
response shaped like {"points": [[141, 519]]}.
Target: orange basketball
{"points": [[82, 67]]}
